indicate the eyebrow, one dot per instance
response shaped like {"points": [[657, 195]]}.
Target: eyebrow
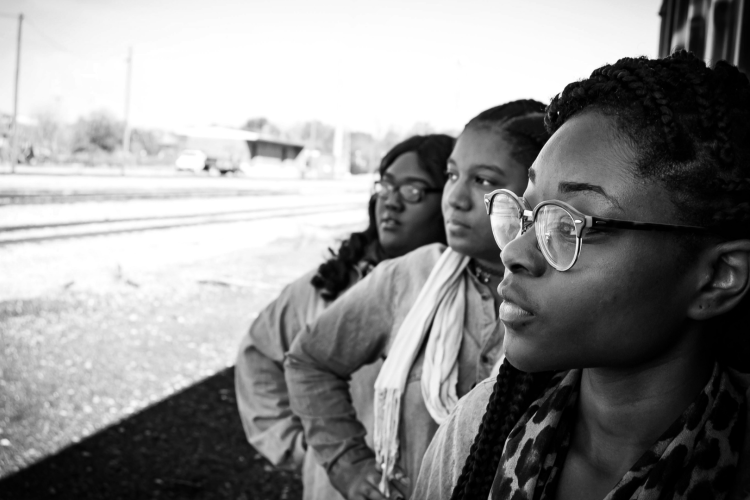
{"points": [[386, 175], [578, 187], [495, 168]]}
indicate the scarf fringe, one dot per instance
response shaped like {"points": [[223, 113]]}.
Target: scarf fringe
{"points": [[387, 414], [439, 307]]}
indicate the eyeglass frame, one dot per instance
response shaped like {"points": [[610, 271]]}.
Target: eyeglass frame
{"points": [[528, 216], [390, 188]]}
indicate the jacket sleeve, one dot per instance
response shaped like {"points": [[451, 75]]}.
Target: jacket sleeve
{"points": [[261, 391], [352, 333], [445, 457]]}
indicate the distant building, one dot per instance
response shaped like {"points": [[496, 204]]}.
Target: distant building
{"points": [[235, 149], [712, 29]]}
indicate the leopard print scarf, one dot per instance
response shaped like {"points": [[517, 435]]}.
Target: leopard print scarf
{"points": [[695, 458]]}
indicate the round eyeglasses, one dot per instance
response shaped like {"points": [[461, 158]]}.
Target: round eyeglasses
{"points": [[559, 227], [410, 193]]}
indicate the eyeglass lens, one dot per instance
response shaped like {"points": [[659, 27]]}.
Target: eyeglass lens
{"points": [[554, 227], [504, 218], [556, 233], [408, 192]]}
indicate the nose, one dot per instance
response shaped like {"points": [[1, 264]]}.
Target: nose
{"points": [[523, 256], [458, 195], [393, 201]]}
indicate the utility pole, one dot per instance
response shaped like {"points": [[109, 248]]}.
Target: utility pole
{"points": [[14, 137], [126, 132]]}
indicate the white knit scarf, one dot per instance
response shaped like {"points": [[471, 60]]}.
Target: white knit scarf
{"points": [[439, 310]]}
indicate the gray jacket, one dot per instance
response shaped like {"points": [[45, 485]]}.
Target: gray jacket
{"points": [[357, 330]]}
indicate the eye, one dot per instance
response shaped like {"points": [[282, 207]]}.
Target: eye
{"points": [[484, 181], [451, 175], [412, 189], [565, 228]]}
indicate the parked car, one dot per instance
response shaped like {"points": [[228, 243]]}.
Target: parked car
{"points": [[193, 160]]}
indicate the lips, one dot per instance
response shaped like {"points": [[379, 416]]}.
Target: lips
{"points": [[388, 221], [457, 223], [513, 310], [512, 313]]}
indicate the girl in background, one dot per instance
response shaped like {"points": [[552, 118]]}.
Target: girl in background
{"points": [[625, 301], [444, 295], [403, 214]]}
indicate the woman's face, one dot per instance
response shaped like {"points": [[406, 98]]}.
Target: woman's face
{"points": [[480, 163], [402, 226], [624, 302]]}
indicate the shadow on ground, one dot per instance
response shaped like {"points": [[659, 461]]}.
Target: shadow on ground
{"points": [[188, 446]]}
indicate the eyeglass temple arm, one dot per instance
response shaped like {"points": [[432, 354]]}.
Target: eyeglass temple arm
{"points": [[643, 226]]}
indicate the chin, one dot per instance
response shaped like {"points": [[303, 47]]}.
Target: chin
{"points": [[460, 245], [531, 360]]}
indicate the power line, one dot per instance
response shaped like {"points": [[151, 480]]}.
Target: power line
{"points": [[56, 44]]}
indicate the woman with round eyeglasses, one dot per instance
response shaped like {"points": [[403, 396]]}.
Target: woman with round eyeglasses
{"points": [[626, 301], [430, 314], [397, 224], [559, 228]]}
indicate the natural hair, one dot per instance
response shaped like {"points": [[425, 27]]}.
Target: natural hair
{"points": [[520, 123], [689, 126], [334, 275]]}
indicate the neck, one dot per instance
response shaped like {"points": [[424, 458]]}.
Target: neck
{"points": [[493, 270], [493, 265], [622, 413]]}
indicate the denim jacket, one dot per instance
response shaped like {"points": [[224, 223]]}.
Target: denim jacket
{"points": [[262, 397], [261, 391], [357, 330]]}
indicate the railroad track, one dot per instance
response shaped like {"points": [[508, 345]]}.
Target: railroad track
{"points": [[16, 234], [37, 197]]}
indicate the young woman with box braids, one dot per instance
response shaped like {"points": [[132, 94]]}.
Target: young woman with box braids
{"points": [[626, 301]]}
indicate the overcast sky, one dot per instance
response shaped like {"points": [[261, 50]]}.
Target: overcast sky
{"points": [[367, 64]]}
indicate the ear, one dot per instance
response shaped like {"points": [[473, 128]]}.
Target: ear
{"points": [[725, 282]]}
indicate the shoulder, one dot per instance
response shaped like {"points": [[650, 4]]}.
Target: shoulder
{"points": [[298, 303], [301, 297], [417, 263], [471, 407], [302, 286], [425, 256], [451, 445], [465, 418]]}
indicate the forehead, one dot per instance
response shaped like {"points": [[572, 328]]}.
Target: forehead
{"points": [[480, 147], [587, 149], [406, 166]]}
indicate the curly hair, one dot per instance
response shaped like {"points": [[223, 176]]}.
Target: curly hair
{"points": [[334, 276], [690, 128]]}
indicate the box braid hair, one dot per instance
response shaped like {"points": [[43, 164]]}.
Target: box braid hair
{"points": [[334, 275], [690, 127]]}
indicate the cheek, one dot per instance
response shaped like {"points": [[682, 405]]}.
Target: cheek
{"points": [[445, 198], [423, 215], [621, 308], [379, 209]]}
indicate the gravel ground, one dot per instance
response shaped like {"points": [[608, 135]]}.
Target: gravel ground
{"points": [[82, 354], [188, 446]]}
